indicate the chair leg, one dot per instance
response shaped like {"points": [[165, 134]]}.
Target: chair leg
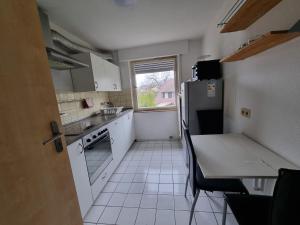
{"points": [[186, 184], [193, 206], [224, 213]]}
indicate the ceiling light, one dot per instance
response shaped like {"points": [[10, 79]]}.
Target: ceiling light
{"points": [[125, 2]]}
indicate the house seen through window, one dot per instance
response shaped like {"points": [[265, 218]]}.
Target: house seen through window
{"points": [[154, 82]]}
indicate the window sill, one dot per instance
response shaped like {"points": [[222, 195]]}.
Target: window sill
{"points": [[172, 109]]}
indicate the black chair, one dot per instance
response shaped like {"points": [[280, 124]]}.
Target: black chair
{"points": [[197, 180], [280, 209]]}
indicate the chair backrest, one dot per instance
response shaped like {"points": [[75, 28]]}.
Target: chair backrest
{"points": [[192, 158], [286, 198]]}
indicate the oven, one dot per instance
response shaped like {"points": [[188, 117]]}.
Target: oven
{"points": [[98, 152]]}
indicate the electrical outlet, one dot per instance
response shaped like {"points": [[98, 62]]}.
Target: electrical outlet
{"points": [[245, 112]]}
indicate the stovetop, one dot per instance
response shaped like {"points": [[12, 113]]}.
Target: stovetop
{"points": [[77, 130]]}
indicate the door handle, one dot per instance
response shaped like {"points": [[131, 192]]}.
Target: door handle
{"points": [[52, 139], [56, 137]]}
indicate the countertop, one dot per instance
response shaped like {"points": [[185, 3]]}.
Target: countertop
{"points": [[76, 130]]}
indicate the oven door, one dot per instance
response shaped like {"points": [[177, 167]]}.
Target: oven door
{"points": [[98, 155]]}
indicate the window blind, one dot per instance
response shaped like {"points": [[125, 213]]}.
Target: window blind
{"points": [[152, 66]]}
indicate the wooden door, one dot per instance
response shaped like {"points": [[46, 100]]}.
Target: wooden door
{"points": [[36, 184]]}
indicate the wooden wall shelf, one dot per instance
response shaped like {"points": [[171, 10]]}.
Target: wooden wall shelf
{"points": [[261, 44], [249, 12]]}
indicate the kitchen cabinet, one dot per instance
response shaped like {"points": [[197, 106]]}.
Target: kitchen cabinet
{"points": [[80, 176], [129, 135], [123, 135], [101, 75]]}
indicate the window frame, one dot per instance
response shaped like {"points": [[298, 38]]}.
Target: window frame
{"points": [[133, 86]]}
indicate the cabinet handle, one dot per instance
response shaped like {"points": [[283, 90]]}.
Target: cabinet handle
{"points": [[81, 148], [112, 140], [96, 85]]}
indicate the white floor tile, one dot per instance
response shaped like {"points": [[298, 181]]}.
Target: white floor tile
{"points": [[123, 188], [103, 199], [152, 178], [110, 187], [149, 201], [127, 216], [165, 179], [179, 189], [165, 189], [179, 179], [165, 202], [110, 215], [230, 219], [183, 218], [151, 188], [133, 200], [165, 217], [116, 177], [117, 199], [140, 178], [217, 204], [94, 214], [203, 204], [205, 218], [182, 203], [128, 177], [136, 188], [146, 217]]}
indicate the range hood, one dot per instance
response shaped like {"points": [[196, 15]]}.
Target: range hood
{"points": [[57, 59]]}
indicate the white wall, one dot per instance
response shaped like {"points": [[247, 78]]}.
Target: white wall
{"points": [[267, 83], [156, 125], [159, 125]]}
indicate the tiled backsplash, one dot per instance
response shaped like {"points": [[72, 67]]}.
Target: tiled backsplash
{"points": [[70, 105], [121, 98]]}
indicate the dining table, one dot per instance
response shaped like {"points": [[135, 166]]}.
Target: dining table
{"points": [[235, 155]]}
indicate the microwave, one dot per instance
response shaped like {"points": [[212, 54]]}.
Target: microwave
{"points": [[206, 70]]}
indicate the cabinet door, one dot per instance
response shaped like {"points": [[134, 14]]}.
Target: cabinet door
{"points": [[131, 128], [80, 176], [117, 133], [116, 80], [113, 75], [102, 83]]}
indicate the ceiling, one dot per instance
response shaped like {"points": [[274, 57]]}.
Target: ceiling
{"points": [[109, 26]]}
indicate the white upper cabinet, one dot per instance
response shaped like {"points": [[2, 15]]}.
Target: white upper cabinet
{"points": [[100, 76]]}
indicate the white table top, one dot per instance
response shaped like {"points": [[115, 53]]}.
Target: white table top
{"points": [[236, 156]]}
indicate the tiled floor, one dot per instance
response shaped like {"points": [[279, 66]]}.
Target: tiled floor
{"points": [[148, 189]]}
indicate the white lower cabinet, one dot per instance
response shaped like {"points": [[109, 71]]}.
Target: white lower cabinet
{"points": [[99, 184], [80, 176], [122, 135]]}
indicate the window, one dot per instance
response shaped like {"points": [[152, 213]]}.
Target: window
{"points": [[167, 94], [153, 83]]}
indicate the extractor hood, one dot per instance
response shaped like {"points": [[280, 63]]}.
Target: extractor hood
{"points": [[57, 59]]}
